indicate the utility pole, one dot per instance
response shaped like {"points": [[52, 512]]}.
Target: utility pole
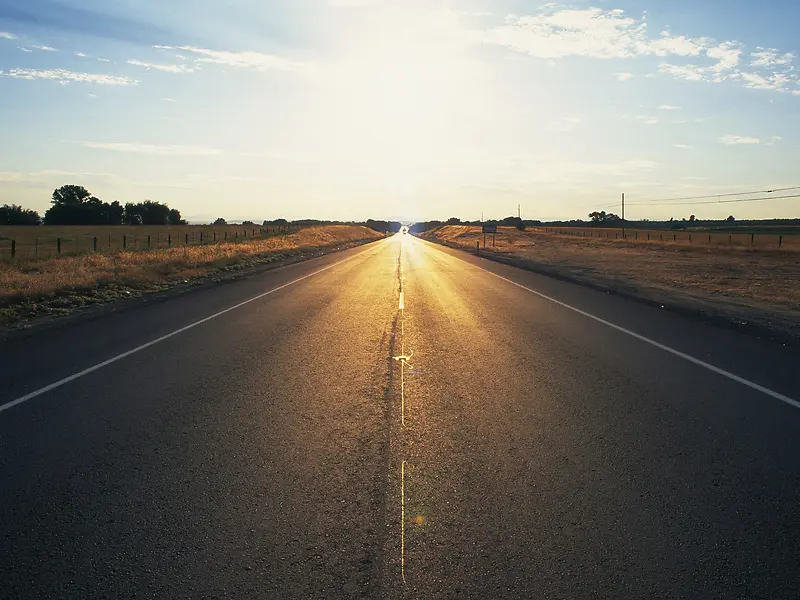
{"points": [[623, 215], [519, 211]]}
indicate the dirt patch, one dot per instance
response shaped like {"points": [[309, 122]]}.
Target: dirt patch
{"points": [[754, 289]]}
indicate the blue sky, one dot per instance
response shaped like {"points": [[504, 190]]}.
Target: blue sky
{"points": [[349, 109]]}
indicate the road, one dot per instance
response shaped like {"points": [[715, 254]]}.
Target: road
{"points": [[298, 434]]}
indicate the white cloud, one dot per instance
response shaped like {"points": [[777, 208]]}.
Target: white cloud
{"points": [[687, 72], [733, 140], [166, 68], [774, 139], [168, 150], [65, 77], [771, 57], [776, 81], [553, 32], [668, 107], [590, 32], [727, 54], [647, 120], [683, 146], [239, 60], [24, 49], [45, 48], [103, 60], [81, 54], [4, 35], [564, 124], [169, 100]]}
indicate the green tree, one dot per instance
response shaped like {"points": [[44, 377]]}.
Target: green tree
{"points": [[13, 214], [220, 221]]}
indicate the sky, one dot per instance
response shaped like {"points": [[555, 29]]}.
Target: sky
{"points": [[420, 109]]}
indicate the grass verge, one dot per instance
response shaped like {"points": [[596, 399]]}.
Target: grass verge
{"points": [[32, 289], [752, 289]]}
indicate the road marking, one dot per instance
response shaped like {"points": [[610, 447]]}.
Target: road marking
{"points": [[119, 357], [678, 353], [403, 520], [402, 301]]}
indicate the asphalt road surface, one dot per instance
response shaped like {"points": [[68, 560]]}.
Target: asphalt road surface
{"points": [[398, 421]]}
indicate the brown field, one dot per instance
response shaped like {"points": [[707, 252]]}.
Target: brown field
{"points": [[93, 277], [764, 241], [738, 283], [42, 242]]}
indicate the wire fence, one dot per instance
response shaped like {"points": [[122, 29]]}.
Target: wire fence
{"points": [[774, 241], [31, 242]]}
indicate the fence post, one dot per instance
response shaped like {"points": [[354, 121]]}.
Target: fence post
{"points": [[254, 232], [13, 248], [674, 237], [169, 240], [636, 236], [478, 248], [94, 243], [124, 242], [780, 241], [58, 244], [186, 240], [648, 236], [109, 240], [148, 242], [661, 237], [752, 238], [709, 239], [690, 238], [215, 236], [730, 240], [226, 236]]}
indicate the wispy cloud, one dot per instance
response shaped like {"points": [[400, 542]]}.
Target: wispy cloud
{"points": [[64, 77], [4, 35], [683, 146], [647, 119], [553, 32], [168, 150], [169, 100], [564, 124], [668, 107], [166, 68], [103, 60], [771, 57], [44, 48], [734, 140], [240, 60], [81, 54]]}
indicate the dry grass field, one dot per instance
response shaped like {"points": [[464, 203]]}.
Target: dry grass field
{"points": [[42, 242], [738, 283], [760, 240], [94, 277]]}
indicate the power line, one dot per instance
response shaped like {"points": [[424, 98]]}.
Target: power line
{"points": [[785, 189], [719, 201]]}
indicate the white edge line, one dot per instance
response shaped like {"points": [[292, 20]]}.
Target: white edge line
{"points": [[402, 301], [78, 375], [691, 359]]}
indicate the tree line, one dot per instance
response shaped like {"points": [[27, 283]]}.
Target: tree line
{"points": [[75, 205]]}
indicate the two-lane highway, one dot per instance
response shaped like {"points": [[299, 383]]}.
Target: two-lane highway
{"points": [[311, 433]]}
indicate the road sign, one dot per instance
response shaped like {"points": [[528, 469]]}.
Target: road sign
{"points": [[489, 228]]}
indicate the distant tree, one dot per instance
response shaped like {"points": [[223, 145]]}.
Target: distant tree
{"points": [[220, 221], [13, 214], [174, 217], [730, 219], [75, 205], [603, 218], [70, 195], [247, 223], [453, 221], [692, 219]]}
